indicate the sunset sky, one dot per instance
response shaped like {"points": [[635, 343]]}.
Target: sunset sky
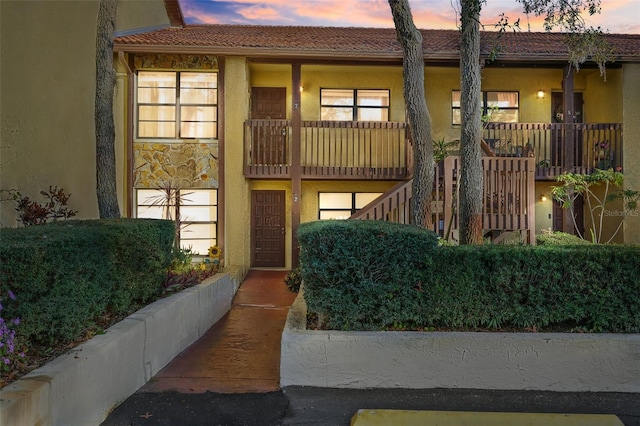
{"points": [[618, 16]]}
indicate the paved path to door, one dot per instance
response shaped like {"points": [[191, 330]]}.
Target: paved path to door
{"points": [[241, 352]]}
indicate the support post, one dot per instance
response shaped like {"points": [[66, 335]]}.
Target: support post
{"points": [[569, 136], [296, 169]]}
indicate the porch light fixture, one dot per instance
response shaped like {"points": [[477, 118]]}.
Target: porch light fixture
{"points": [[301, 88], [543, 198], [540, 94]]}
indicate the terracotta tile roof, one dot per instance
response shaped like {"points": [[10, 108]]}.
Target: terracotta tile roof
{"points": [[351, 43]]}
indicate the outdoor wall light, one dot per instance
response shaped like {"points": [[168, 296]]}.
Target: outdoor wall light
{"points": [[301, 88], [540, 94], [543, 198]]}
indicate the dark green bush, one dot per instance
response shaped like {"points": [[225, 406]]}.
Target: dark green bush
{"points": [[375, 281], [560, 239], [65, 274], [360, 273]]}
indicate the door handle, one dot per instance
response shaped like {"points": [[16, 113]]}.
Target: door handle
{"points": [[282, 231]]}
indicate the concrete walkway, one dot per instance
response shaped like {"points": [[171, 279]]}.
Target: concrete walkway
{"points": [[231, 375], [241, 352]]}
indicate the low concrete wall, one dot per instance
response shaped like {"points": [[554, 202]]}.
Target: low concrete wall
{"points": [[84, 385], [559, 362]]}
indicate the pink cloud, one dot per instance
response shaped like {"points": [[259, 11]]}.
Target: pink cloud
{"points": [[619, 16], [260, 12]]}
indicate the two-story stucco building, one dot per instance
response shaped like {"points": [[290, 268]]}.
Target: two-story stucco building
{"points": [[262, 128]]}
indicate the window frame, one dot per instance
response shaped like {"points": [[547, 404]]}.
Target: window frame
{"points": [[355, 107], [157, 201], [178, 106], [352, 210], [485, 105]]}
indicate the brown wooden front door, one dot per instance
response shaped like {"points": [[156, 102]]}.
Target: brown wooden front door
{"points": [[267, 228], [269, 103]]}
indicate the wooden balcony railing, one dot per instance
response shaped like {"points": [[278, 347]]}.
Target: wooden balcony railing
{"points": [[558, 147], [508, 199], [381, 150], [329, 149]]}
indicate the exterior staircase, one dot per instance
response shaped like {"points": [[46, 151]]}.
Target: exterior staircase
{"points": [[509, 199]]}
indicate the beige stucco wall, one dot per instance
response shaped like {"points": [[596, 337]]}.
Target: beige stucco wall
{"points": [[48, 74], [602, 98], [236, 188], [47, 99], [315, 78], [544, 208], [631, 129], [141, 15]]}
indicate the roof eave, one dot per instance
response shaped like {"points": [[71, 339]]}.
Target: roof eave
{"points": [[255, 52], [328, 54]]}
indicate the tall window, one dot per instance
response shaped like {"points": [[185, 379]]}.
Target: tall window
{"points": [[354, 105], [180, 105], [500, 107], [341, 205], [196, 208]]}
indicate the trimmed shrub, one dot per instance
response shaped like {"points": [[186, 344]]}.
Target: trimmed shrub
{"points": [[66, 274], [360, 273], [375, 279], [560, 239]]}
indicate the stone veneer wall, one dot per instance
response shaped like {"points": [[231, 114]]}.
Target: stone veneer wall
{"points": [[182, 164], [169, 61]]}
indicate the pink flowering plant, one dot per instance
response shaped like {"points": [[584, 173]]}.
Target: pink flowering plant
{"points": [[9, 353]]}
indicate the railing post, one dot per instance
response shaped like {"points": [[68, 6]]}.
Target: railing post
{"points": [[569, 118], [296, 169]]}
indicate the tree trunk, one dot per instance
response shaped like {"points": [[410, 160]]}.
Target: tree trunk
{"points": [[105, 129], [471, 185], [419, 118]]}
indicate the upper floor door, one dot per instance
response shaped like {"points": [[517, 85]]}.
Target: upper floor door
{"points": [[270, 142], [268, 103]]}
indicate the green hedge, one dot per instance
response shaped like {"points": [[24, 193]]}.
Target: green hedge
{"points": [[66, 274], [359, 272], [375, 281], [560, 239]]}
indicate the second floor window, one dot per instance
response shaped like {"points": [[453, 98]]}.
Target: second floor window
{"points": [[500, 107], [354, 104], [177, 105]]}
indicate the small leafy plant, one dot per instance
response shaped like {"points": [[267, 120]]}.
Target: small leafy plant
{"points": [[184, 273], [293, 280], [577, 184], [31, 212], [441, 148]]}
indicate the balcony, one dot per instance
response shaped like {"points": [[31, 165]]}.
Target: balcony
{"points": [[558, 147], [328, 150], [382, 150]]}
